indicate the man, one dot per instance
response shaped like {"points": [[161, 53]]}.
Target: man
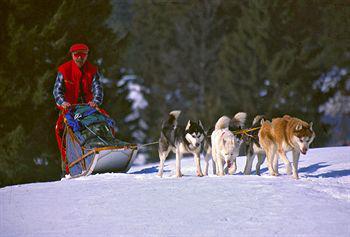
{"points": [[77, 81]]}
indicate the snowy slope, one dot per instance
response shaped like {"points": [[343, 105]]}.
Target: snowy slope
{"points": [[141, 204]]}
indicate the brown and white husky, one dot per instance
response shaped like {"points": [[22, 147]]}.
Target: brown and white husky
{"points": [[283, 135]]}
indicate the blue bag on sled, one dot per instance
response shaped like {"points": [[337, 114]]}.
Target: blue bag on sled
{"points": [[91, 146]]}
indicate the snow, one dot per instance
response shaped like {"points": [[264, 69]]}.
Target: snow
{"points": [[141, 204]]}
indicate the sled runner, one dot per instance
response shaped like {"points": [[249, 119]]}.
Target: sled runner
{"points": [[90, 143]]}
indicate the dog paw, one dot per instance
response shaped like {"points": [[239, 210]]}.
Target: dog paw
{"points": [[296, 177], [199, 173], [179, 175]]}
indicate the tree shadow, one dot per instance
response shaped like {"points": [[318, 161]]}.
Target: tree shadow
{"points": [[150, 170]]}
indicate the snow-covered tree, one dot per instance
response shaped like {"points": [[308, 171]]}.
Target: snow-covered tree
{"points": [[136, 96], [336, 109]]}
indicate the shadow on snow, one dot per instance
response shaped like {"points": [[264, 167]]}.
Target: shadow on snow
{"points": [[331, 174], [313, 168], [150, 170]]}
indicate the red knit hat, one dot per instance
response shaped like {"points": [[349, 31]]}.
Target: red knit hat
{"points": [[76, 47]]}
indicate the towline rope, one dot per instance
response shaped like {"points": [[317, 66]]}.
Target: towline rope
{"points": [[148, 144], [243, 131]]}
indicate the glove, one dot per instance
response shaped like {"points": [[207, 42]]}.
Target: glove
{"points": [[65, 105], [92, 104]]}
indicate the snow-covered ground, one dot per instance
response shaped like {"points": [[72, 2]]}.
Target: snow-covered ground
{"points": [[141, 204]]}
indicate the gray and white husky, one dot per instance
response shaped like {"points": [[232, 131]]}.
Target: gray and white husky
{"points": [[253, 147], [225, 145], [180, 140]]}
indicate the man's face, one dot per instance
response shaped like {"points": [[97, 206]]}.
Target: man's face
{"points": [[79, 57]]}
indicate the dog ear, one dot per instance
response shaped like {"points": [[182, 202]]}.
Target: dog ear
{"points": [[262, 121], [188, 124], [310, 124], [298, 127], [200, 124], [287, 117]]}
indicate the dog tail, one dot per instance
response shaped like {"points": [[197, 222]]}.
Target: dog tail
{"points": [[175, 114], [223, 122], [239, 119], [172, 119]]}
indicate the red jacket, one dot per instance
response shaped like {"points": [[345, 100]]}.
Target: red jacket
{"points": [[72, 76]]}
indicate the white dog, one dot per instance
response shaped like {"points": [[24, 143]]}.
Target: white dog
{"points": [[225, 145]]}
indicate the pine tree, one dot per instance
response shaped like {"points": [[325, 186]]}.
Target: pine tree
{"points": [[151, 35], [252, 62], [266, 60], [333, 87], [191, 58], [174, 49], [35, 42]]}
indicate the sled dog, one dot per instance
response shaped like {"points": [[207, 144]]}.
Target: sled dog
{"points": [[283, 135], [225, 145], [208, 151], [253, 147], [180, 140]]}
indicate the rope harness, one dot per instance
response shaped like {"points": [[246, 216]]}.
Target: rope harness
{"points": [[246, 131]]}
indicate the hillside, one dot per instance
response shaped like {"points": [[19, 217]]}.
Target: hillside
{"points": [[141, 204]]}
